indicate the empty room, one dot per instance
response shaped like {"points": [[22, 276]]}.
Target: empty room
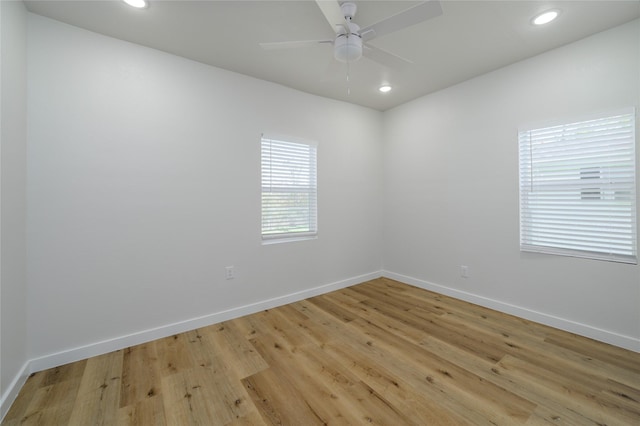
{"points": [[311, 212]]}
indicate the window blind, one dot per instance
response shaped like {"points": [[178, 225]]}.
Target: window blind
{"points": [[289, 189], [577, 189]]}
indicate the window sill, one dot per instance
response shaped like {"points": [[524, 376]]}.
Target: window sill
{"points": [[270, 241]]}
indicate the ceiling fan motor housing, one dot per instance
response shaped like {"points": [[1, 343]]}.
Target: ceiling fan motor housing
{"points": [[348, 10]]}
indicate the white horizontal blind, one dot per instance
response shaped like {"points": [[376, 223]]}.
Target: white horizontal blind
{"points": [[577, 189], [289, 189]]}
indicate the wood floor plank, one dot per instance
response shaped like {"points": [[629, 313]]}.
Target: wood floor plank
{"points": [[333, 308], [575, 396], [203, 396], [545, 416], [588, 371], [236, 350], [416, 380], [433, 325], [173, 354], [548, 410], [547, 352], [148, 411], [52, 404], [187, 401], [417, 406], [72, 371], [362, 342], [18, 412], [320, 399], [252, 418], [493, 402], [349, 294], [140, 375], [380, 352], [476, 314], [278, 400], [98, 397], [356, 395], [593, 349], [401, 300]]}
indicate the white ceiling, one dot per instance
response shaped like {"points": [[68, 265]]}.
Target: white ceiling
{"points": [[470, 38]]}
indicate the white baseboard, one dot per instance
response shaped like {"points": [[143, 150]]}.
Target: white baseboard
{"points": [[11, 393], [105, 346], [626, 342]]}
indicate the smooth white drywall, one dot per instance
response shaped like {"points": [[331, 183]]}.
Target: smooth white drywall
{"points": [[144, 183], [13, 138], [451, 184]]}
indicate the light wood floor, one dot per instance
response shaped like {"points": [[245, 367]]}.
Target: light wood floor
{"points": [[381, 352]]}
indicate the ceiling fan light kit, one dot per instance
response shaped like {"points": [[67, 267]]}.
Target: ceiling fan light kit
{"points": [[348, 46]]}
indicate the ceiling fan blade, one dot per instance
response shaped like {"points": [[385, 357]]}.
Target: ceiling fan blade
{"points": [[385, 58], [414, 15], [279, 45], [332, 11]]}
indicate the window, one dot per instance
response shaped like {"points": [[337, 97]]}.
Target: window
{"points": [[289, 190], [577, 189]]}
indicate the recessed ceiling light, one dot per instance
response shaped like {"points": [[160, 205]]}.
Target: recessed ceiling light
{"points": [[545, 17], [385, 88], [139, 4]]}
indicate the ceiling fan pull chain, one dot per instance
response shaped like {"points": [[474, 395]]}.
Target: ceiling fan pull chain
{"points": [[348, 78]]}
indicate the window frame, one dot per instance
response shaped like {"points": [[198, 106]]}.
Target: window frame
{"points": [[305, 182], [590, 185]]}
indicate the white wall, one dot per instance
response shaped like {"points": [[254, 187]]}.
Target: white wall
{"points": [[144, 183], [13, 138], [451, 188]]}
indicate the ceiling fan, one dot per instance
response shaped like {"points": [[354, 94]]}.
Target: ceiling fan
{"points": [[350, 42]]}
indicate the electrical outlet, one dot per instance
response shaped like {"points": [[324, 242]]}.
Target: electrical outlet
{"points": [[230, 273], [464, 271]]}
